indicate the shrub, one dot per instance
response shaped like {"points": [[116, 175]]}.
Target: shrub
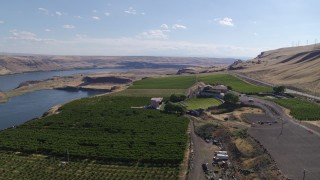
{"points": [[177, 98], [279, 89], [205, 131], [174, 108]]}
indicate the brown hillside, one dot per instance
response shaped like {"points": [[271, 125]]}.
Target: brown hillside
{"points": [[10, 64], [296, 67]]}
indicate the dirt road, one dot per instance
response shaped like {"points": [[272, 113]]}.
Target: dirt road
{"points": [[202, 153], [294, 148]]}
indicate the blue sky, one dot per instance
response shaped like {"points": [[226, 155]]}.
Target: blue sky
{"points": [[210, 28]]}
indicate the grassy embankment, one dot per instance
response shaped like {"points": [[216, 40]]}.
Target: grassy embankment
{"points": [[128, 143], [234, 82]]}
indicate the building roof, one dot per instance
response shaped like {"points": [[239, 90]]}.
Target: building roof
{"points": [[220, 87], [157, 99]]}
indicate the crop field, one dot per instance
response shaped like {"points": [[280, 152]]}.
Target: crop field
{"points": [[150, 92], [15, 166], [236, 83], [300, 109], [196, 103], [103, 128], [172, 82]]}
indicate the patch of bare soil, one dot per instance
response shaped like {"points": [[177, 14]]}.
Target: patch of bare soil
{"points": [[234, 115], [3, 97], [249, 159], [53, 110], [314, 123]]}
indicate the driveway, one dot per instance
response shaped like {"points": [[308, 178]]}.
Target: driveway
{"points": [[295, 148], [202, 152]]}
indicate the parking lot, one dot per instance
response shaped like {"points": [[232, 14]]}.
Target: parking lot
{"points": [[294, 148]]}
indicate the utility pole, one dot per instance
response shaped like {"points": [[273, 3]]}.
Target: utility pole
{"points": [[304, 174], [281, 126], [68, 155]]}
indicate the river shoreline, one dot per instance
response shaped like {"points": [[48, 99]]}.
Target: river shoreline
{"points": [[117, 80]]}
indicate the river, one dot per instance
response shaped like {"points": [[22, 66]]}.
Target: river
{"points": [[31, 105]]}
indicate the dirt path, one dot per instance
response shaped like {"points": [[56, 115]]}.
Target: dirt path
{"points": [[202, 153], [294, 147]]}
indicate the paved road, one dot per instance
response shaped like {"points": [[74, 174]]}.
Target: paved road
{"points": [[294, 147], [271, 85]]}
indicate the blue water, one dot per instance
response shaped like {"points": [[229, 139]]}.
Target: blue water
{"points": [[9, 82], [32, 105]]}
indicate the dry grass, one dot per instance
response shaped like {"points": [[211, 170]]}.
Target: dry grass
{"points": [[272, 67], [244, 146], [236, 113]]}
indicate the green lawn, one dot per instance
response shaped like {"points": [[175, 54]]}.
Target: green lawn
{"points": [[236, 83], [300, 109], [171, 82], [196, 103]]}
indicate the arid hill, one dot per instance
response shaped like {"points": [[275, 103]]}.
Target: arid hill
{"points": [[296, 67], [10, 64]]}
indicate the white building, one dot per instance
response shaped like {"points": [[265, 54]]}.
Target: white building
{"points": [[156, 102]]}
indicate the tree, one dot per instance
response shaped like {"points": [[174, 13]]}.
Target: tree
{"points": [[279, 89], [177, 98], [231, 98], [229, 87], [174, 108]]}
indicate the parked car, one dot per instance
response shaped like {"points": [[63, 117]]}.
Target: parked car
{"points": [[205, 167]]}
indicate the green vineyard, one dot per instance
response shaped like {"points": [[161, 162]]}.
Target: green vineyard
{"points": [[17, 166], [300, 109], [172, 82], [234, 82], [105, 128]]}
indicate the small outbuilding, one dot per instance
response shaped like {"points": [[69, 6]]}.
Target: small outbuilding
{"points": [[156, 102], [220, 88]]}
